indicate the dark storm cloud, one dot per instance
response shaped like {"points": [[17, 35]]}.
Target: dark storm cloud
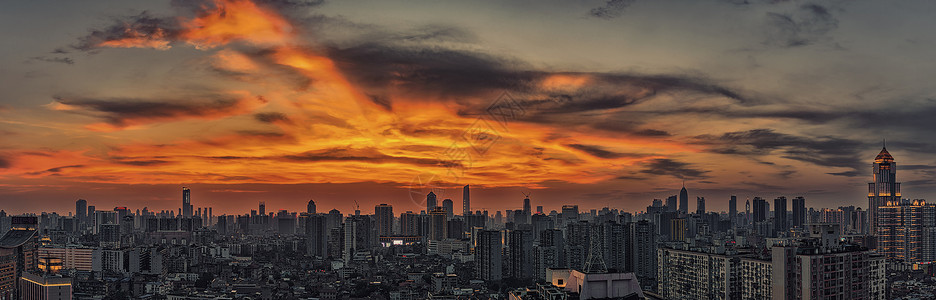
{"points": [[120, 111], [141, 27], [804, 26], [346, 154], [678, 169], [54, 171], [61, 60], [368, 155], [271, 117], [600, 152], [611, 9], [143, 163], [823, 151], [428, 70]]}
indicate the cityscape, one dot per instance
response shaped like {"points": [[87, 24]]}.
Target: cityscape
{"points": [[518, 150], [667, 251]]}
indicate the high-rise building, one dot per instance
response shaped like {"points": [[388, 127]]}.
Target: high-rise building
{"points": [[845, 271], [885, 188], [527, 210], [760, 210], [262, 209], [684, 200], [438, 224], [316, 234], [817, 267], [519, 251], [780, 214], [488, 256], [641, 251], [359, 235], [448, 206], [409, 224], [81, 212], [671, 203], [186, 202], [466, 201], [799, 212], [901, 230], [549, 253], [383, 214], [700, 205], [310, 208], [17, 256], [733, 211], [431, 202]]}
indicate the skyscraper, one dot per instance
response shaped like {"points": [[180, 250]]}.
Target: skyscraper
{"points": [[684, 200], [383, 214], [760, 210], [466, 201], [431, 202], [733, 211], [885, 187], [671, 203], [527, 210], [81, 211], [316, 230], [310, 208], [799, 212], [262, 208], [438, 224], [186, 202], [700, 205], [448, 206], [780, 214]]}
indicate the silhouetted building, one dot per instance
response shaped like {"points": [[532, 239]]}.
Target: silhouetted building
{"points": [[431, 202], [488, 256], [383, 214], [700, 205], [799, 212], [466, 201], [438, 223], [780, 214], [186, 202], [684, 200], [310, 208]]}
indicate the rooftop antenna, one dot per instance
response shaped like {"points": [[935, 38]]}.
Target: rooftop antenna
{"points": [[595, 262]]}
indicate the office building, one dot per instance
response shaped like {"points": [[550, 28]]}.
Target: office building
{"points": [[884, 189], [466, 201], [383, 215]]}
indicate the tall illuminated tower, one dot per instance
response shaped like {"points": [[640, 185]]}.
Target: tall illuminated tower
{"points": [[885, 187]]}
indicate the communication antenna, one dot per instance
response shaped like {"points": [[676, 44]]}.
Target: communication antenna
{"points": [[595, 262]]}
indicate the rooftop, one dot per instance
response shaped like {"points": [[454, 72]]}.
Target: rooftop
{"points": [[884, 156], [16, 237]]}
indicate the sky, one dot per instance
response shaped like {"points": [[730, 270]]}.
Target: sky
{"points": [[355, 103]]}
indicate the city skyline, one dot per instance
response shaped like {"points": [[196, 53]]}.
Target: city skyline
{"points": [[283, 101]]}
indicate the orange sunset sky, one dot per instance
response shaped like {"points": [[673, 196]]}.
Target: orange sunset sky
{"points": [[600, 103]]}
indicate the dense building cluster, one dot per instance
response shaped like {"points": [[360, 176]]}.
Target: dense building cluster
{"points": [[664, 252]]}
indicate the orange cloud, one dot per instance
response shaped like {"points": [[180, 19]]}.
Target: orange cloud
{"points": [[235, 20]]}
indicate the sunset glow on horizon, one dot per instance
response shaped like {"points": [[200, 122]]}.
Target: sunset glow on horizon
{"points": [[273, 101]]}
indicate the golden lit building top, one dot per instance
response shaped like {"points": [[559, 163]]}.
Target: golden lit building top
{"points": [[884, 156]]}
